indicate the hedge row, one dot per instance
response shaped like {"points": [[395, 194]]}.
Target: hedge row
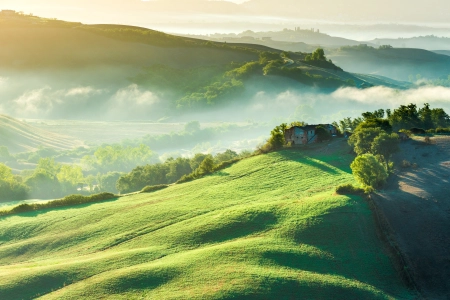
{"points": [[349, 189], [154, 188], [66, 201], [196, 174]]}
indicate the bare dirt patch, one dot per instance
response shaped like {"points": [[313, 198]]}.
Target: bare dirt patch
{"points": [[416, 206]]}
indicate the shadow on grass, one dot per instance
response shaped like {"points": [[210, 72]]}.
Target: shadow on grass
{"points": [[51, 281], [240, 226], [142, 280], [283, 288], [301, 158], [347, 236], [299, 261]]}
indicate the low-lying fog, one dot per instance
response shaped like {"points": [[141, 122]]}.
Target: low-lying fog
{"points": [[257, 103]]}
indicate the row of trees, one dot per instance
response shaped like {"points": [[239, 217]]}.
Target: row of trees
{"points": [[173, 170], [118, 158], [374, 148], [48, 180], [374, 142], [53, 180], [11, 187], [405, 117]]}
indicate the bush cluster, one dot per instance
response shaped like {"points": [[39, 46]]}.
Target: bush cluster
{"points": [[154, 188], [349, 189]]}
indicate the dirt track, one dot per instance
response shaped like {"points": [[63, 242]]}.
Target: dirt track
{"points": [[416, 206]]}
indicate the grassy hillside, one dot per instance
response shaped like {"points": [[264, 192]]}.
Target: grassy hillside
{"points": [[267, 227], [20, 137], [32, 42]]}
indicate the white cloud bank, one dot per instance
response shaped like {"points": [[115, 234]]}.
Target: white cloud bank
{"points": [[392, 97]]}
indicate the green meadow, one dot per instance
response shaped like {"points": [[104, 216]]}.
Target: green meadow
{"points": [[268, 227]]}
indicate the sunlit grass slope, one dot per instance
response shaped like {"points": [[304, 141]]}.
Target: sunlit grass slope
{"points": [[268, 227]]}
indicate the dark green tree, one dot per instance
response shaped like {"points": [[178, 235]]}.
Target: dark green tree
{"points": [[426, 118], [197, 160], [177, 168], [440, 118], [318, 54], [207, 166], [378, 114], [276, 139], [362, 139], [44, 186], [385, 145], [383, 124], [323, 134], [107, 182], [225, 156], [11, 187], [405, 117]]}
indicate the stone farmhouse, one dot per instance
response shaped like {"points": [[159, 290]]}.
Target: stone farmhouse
{"points": [[303, 135], [7, 12]]}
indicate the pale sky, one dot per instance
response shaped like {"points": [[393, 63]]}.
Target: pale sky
{"points": [[154, 13]]}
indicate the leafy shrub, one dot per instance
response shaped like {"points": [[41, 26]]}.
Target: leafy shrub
{"points": [[21, 208], [154, 188], [349, 189], [226, 164], [369, 171], [276, 140], [322, 133]]}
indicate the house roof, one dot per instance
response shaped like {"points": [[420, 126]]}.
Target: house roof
{"points": [[311, 127]]}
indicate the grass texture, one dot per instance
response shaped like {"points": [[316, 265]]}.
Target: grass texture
{"points": [[268, 227]]}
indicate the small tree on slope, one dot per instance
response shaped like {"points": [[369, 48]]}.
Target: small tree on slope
{"points": [[369, 171]]}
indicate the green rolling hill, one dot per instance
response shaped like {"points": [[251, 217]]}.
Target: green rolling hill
{"points": [[31, 43], [268, 227], [56, 69]]}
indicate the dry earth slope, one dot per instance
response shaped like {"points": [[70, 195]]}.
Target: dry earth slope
{"points": [[416, 207]]}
